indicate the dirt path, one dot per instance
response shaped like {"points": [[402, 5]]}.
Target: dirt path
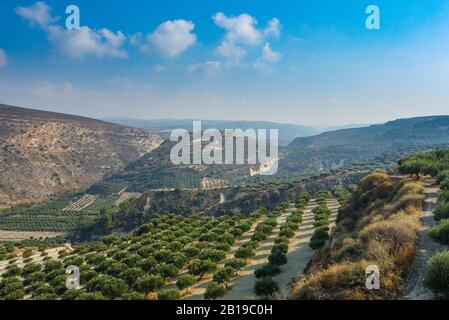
{"points": [[414, 288], [25, 235]]}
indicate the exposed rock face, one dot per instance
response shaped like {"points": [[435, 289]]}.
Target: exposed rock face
{"points": [[44, 153]]}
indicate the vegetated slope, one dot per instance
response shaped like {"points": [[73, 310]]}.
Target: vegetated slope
{"points": [[287, 132], [384, 143], [377, 227], [156, 171], [45, 153], [431, 268], [237, 199]]}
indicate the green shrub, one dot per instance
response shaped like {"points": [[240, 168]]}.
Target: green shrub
{"points": [[108, 286], [185, 281], [134, 296], [277, 258], [169, 294], [268, 270], [245, 252], [437, 276], [282, 247], [91, 296], [444, 185], [27, 253], [215, 291], [287, 233], [149, 283], [236, 264], [319, 238], [441, 232], [266, 287], [443, 196], [259, 236], [442, 211], [442, 175], [280, 240], [224, 276]]}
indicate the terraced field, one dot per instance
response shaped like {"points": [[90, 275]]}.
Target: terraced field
{"points": [[81, 204], [173, 257], [61, 215], [243, 286], [299, 254], [137, 264]]}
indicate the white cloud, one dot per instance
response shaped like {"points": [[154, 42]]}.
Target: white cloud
{"points": [[170, 38], [269, 55], [240, 29], [208, 68], [83, 42], [241, 32], [75, 43], [273, 28], [37, 14], [3, 58], [231, 51]]}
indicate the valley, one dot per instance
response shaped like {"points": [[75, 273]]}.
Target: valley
{"points": [[142, 228]]}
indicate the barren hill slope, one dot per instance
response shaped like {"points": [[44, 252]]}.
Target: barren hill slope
{"points": [[45, 153]]}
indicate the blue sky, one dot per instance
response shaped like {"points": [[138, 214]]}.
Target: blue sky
{"points": [[305, 62]]}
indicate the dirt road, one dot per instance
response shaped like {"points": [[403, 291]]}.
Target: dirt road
{"points": [[414, 288]]}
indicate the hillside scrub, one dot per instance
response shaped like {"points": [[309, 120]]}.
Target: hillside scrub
{"points": [[440, 233], [377, 226], [437, 277], [442, 211]]}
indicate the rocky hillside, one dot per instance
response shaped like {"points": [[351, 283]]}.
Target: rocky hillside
{"points": [[44, 153], [384, 143]]}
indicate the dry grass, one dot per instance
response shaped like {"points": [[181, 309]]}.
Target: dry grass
{"points": [[379, 226], [393, 234]]}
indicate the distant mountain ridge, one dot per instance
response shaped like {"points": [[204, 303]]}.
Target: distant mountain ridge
{"points": [[432, 129], [44, 153], [382, 143], [287, 132]]}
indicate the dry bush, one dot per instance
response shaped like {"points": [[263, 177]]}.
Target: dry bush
{"points": [[407, 218], [408, 188], [332, 283], [351, 250], [379, 224], [394, 233], [404, 259], [373, 187], [407, 201], [381, 253]]}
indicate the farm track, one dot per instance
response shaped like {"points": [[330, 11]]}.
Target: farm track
{"points": [[414, 288], [8, 235]]}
